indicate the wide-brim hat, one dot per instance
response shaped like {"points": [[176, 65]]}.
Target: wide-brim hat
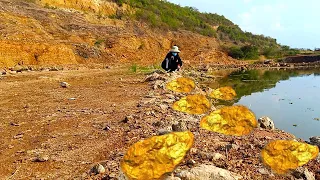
{"points": [[175, 49]]}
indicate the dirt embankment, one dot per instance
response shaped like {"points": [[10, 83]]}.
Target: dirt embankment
{"points": [[60, 32], [303, 59]]}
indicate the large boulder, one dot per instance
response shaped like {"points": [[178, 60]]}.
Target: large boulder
{"points": [[208, 172], [266, 123]]}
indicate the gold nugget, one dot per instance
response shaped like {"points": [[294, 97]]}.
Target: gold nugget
{"points": [[283, 155], [193, 104], [234, 120], [184, 85], [224, 93], [156, 156]]}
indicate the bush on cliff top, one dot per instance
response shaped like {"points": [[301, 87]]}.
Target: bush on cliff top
{"points": [[166, 15]]}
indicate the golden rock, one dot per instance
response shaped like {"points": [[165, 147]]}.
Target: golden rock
{"points": [[283, 155], [224, 93], [234, 120], [154, 157], [184, 85], [193, 104]]}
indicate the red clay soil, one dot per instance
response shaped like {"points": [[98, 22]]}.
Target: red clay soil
{"points": [[38, 118]]}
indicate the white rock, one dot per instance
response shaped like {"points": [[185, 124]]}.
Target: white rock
{"points": [[64, 84], [303, 173], [266, 123], [98, 169], [208, 172], [172, 178], [154, 76]]}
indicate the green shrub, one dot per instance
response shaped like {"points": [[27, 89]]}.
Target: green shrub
{"points": [[166, 15], [250, 52], [235, 52]]}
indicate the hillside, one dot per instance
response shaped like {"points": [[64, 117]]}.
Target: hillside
{"points": [[51, 32], [59, 32]]}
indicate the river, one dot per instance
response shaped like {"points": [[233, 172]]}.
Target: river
{"points": [[291, 98]]}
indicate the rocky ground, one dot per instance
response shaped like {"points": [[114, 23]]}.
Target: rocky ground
{"points": [[84, 130]]}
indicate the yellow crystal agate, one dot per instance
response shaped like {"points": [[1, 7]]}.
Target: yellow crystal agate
{"points": [[283, 155], [193, 104], [182, 84], [156, 156], [223, 93], [234, 120]]}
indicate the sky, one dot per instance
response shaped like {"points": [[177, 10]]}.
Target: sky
{"points": [[292, 22]]}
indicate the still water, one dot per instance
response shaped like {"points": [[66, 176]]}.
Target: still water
{"points": [[291, 98]]}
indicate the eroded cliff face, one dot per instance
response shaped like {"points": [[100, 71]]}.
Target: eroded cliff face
{"points": [[99, 7], [39, 35], [12, 53]]}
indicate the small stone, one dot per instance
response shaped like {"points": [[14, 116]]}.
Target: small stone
{"points": [[163, 131], [113, 175], [18, 136], [163, 107], [107, 128], [318, 160], [211, 156], [98, 169], [172, 178], [180, 126], [127, 119], [64, 84], [315, 140], [41, 158], [191, 163], [266, 123], [14, 124], [235, 147], [263, 171], [170, 96], [217, 156]]}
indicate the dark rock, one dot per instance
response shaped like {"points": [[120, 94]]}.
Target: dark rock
{"points": [[127, 119], [191, 163], [107, 128], [14, 124], [315, 140]]}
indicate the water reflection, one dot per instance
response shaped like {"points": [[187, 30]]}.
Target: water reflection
{"points": [[290, 97]]}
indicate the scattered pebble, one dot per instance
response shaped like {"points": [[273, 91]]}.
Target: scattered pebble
{"points": [[64, 84], [41, 158], [18, 136], [98, 169]]}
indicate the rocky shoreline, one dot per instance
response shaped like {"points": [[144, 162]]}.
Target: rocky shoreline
{"points": [[213, 156]]}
